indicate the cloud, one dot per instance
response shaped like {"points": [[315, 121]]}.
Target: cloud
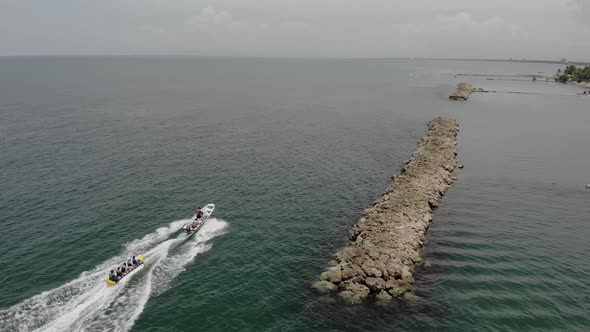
{"points": [[211, 17], [338, 28]]}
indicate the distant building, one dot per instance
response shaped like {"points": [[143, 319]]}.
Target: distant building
{"points": [[563, 60]]}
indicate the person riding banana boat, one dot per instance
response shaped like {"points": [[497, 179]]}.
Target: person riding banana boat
{"points": [[125, 269]]}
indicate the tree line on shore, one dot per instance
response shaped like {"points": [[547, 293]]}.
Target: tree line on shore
{"points": [[573, 73]]}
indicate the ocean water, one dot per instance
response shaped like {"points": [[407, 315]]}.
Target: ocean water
{"points": [[106, 157]]}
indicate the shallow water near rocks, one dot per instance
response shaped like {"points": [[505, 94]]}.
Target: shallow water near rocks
{"points": [[108, 155]]}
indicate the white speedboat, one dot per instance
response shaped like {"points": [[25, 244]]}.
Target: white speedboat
{"points": [[195, 223]]}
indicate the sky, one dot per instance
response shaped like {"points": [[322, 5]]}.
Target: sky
{"points": [[532, 29]]}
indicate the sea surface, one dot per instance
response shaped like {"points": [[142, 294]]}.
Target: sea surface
{"points": [[102, 158]]}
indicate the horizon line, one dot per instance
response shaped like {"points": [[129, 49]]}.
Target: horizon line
{"points": [[302, 57]]}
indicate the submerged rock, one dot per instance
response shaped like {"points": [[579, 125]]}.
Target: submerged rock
{"points": [[383, 297], [385, 244], [324, 286], [409, 296], [354, 293]]}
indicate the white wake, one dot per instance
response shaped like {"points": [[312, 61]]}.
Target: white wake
{"points": [[86, 304]]}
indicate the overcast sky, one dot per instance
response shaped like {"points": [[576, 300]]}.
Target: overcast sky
{"points": [[548, 29]]}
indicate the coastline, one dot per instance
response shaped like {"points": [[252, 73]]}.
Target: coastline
{"points": [[385, 245]]}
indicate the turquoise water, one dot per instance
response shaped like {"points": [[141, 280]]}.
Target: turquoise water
{"points": [[105, 157]]}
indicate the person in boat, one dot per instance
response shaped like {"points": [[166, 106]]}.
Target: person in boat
{"points": [[198, 216], [119, 273], [113, 276], [135, 262], [195, 224], [199, 213]]}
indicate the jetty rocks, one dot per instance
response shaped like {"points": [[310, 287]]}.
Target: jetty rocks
{"points": [[384, 246], [464, 90]]}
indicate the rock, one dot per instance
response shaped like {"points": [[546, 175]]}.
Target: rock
{"points": [[427, 263], [396, 287], [324, 286], [372, 271], [454, 178], [461, 166], [407, 275], [464, 90], [324, 276], [354, 293], [409, 296], [334, 275], [346, 273], [375, 284], [383, 297], [395, 270], [349, 297]]}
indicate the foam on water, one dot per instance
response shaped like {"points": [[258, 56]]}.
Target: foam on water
{"points": [[86, 304]]}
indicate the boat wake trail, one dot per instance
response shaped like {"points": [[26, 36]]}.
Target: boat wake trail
{"points": [[87, 304]]}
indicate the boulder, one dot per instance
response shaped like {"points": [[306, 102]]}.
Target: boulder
{"points": [[397, 287], [347, 273], [383, 297], [354, 293], [324, 286], [372, 271], [407, 275], [464, 90], [375, 284], [394, 270], [334, 274]]}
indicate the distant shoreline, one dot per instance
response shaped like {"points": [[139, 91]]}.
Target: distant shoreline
{"points": [[579, 63]]}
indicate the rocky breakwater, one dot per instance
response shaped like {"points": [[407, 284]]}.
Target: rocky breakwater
{"points": [[464, 90], [385, 245]]}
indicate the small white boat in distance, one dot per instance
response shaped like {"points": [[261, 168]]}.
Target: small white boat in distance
{"points": [[197, 222]]}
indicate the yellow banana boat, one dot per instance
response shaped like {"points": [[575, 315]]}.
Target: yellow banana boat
{"points": [[127, 276]]}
